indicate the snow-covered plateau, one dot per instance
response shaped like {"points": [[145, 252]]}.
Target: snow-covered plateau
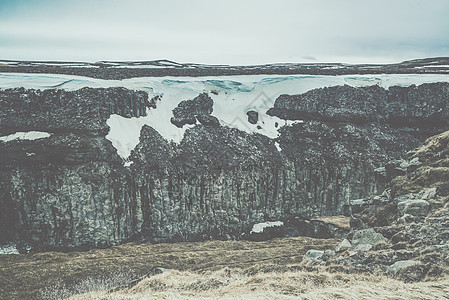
{"points": [[233, 97]]}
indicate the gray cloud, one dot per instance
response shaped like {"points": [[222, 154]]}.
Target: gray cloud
{"points": [[234, 32]]}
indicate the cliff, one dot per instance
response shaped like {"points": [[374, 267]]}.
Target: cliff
{"points": [[414, 106], [71, 189]]}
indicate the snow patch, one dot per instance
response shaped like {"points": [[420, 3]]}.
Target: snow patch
{"points": [[124, 133], [437, 66], [29, 135], [259, 227], [9, 249], [278, 146]]}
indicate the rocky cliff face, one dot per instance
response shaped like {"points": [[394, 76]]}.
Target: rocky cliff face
{"points": [[69, 189], [188, 111], [403, 232], [72, 189], [414, 106], [85, 110]]}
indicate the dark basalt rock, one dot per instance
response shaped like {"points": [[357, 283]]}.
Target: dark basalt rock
{"points": [[85, 110], [413, 243], [421, 106], [187, 111], [208, 120], [74, 191], [336, 104], [64, 191], [253, 116]]}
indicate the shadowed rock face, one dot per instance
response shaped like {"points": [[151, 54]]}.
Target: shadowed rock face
{"points": [[426, 105], [187, 111], [72, 190], [85, 110], [65, 190]]}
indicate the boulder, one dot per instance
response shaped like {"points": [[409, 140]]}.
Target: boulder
{"points": [[367, 236], [363, 247], [314, 254], [418, 208], [394, 268], [344, 245], [428, 193], [410, 165], [187, 110], [208, 120], [253, 116], [405, 219]]}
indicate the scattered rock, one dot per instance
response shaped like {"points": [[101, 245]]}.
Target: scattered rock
{"points": [[406, 218], [409, 166], [343, 246], [429, 193], [363, 247], [314, 254], [418, 208], [394, 268], [367, 236], [160, 270], [414, 272], [328, 254]]}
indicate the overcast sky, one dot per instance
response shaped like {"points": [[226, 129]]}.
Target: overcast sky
{"points": [[224, 32]]}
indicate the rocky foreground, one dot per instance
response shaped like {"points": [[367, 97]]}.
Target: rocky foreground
{"points": [[405, 231], [56, 275], [395, 240]]}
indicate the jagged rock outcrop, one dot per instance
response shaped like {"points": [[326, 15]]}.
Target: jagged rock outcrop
{"points": [[69, 189], [253, 116], [84, 110], [426, 105], [411, 228], [72, 189], [187, 111], [339, 162], [213, 185]]}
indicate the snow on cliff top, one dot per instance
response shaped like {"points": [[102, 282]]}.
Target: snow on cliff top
{"points": [[233, 97]]}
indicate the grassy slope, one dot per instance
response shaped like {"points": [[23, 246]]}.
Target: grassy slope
{"points": [[24, 276], [237, 284]]}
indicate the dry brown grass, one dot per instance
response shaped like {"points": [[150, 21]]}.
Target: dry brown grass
{"points": [[434, 145], [26, 276], [238, 284]]}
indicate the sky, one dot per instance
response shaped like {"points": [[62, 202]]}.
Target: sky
{"points": [[238, 32]]}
